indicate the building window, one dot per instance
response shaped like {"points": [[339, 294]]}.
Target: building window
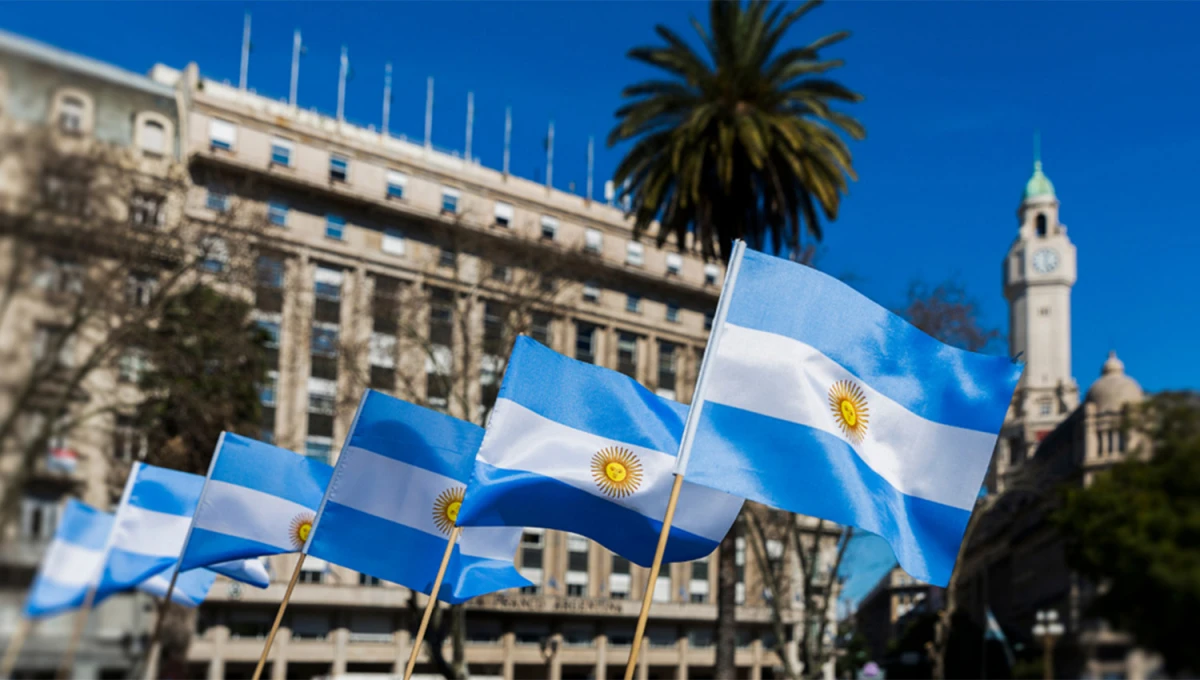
{"points": [[1044, 407], [214, 254], [627, 354], [711, 272], [129, 443], [217, 200], [549, 228], [281, 152], [619, 579], [318, 448], [674, 264], [501, 272], [267, 388], [698, 584], [634, 254], [708, 321], [277, 212], [739, 560], [39, 517], [447, 258], [633, 302], [504, 214], [71, 111], [441, 316], [449, 201], [59, 276], [539, 328], [672, 311], [396, 182], [335, 227], [139, 289], [222, 134], [47, 339], [153, 138], [531, 558], [591, 291], [146, 210], [593, 241], [1041, 224], [585, 341], [393, 242], [666, 367], [577, 565], [662, 589], [132, 365], [312, 571], [368, 580], [339, 168]]}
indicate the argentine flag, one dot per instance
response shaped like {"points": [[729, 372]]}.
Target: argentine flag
{"points": [[814, 399], [76, 556], [394, 498], [151, 526], [258, 500], [581, 448]]}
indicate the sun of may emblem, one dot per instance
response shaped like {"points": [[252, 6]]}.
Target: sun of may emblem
{"points": [[301, 526], [445, 508], [849, 406], [617, 471]]}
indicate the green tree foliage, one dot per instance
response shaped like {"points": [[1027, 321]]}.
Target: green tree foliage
{"points": [[208, 360], [740, 141], [1136, 533]]}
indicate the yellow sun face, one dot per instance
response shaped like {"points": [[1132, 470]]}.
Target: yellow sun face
{"points": [[849, 406], [617, 471], [300, 528], [445, 508]]}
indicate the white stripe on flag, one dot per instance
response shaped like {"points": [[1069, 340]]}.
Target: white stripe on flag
{"points": [[67, 564], [783, 378], [405, 494], [250, 514], [147, 532], [531, 443], [157, 585]]}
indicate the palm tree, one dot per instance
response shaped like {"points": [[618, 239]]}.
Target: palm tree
{"points": [[741, 142]]}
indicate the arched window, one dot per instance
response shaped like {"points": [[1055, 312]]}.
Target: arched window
{"points": [[154, 137], [1041, 224]]}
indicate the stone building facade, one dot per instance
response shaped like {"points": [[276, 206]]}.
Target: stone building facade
{"points": [[405, 268], [1015, 563]]}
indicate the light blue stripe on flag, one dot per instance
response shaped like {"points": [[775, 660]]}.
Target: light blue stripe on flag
{"points": [[71, 562], [259, 500], [580, 448], [398, 484], [816, 400]]}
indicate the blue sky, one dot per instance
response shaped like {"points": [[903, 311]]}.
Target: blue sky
{"points": [[954, 92]]}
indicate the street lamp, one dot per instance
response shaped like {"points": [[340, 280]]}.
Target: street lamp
{"points": [[1048, 629]]}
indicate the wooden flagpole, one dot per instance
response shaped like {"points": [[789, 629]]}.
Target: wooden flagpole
{"points": [[685, 444], [287, 595], [14, 647], [155, 639], [67, 667], [658, 557], [431, 604]]}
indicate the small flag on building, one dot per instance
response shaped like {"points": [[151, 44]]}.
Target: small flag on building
{"points": [[394, 498], [259, 500], [581, 448], [814, 399]]}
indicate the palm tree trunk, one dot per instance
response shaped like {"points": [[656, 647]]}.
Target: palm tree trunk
{"points": [[726, 663]]}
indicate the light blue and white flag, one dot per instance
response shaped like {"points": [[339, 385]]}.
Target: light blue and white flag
{"points": [[394, 498], [151, 525], [75, 557], [259, 500], [581, 448], [814, 399]]}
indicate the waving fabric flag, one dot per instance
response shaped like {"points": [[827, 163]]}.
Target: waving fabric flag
{"points": [[394, 497], [151, 526], [814, 399], [76, 556], [259, 500], [581, 448]]}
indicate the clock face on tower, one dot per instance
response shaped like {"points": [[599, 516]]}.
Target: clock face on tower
{"points": [[1045, 260]]}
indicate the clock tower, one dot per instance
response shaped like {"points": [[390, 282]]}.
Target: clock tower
{"points": [[1039, 271]]}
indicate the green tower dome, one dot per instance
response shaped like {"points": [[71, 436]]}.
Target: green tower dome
{"points": [[1039, 185]]}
